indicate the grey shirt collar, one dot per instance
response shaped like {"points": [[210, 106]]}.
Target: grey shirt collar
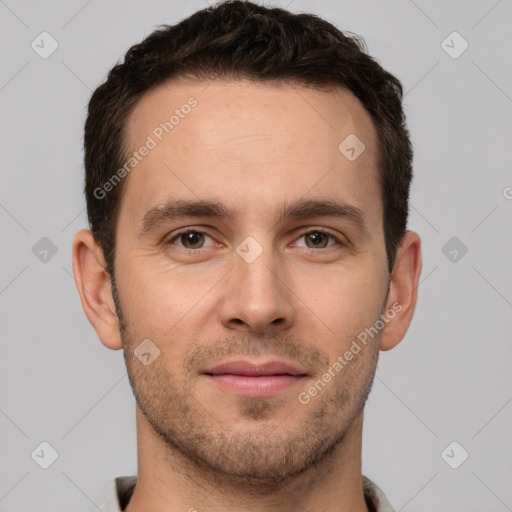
{"points": [[121, 490]]}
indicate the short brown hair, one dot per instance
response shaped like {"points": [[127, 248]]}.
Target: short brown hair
{"points": [[240, 39]]}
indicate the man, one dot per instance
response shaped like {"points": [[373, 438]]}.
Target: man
{"points": [[247, 182]]}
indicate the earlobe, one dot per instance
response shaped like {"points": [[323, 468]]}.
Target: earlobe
{"points": [[93, 284], [403, 290]]}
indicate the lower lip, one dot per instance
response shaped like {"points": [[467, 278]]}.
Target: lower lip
{"points": [[255, 386]]}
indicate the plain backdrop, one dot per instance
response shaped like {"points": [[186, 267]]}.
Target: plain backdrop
{"points": [[443, 394]]}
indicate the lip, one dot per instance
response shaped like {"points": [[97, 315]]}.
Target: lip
{"points": [[248, 368], [249, 379]]}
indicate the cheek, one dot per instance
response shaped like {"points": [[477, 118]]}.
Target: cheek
{"points": [[162, 301], [175, 302], [350, 292], [341, 304]]}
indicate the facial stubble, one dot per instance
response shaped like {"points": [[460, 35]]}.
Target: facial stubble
{"points": [[263, 456]]}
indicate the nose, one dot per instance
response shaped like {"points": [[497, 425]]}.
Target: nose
{"points": [[257, 296]]}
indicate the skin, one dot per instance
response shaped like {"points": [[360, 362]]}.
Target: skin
{"points": [[253, 147]]}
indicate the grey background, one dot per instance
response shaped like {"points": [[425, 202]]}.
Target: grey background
{"points": [[449, 380]]}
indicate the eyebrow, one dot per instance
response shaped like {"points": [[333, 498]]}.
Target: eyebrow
{"points": [[302, 209]]}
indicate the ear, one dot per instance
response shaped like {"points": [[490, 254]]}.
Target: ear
{"points": [[93, 284], [403, 290]]}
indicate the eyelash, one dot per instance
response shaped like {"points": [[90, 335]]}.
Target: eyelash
{"points": [[188, 230]]}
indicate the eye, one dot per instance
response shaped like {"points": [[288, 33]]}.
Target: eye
{"points": [[190, 239], [194, 239], [318, 239]]}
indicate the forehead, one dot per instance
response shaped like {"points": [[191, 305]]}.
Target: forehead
{"points": [[250, 144]]}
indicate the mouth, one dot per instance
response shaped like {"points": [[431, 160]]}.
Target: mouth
{"points": [[250, 379]]}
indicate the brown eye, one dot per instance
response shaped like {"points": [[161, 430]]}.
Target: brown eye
{"points": [[190, 240], [317, 239]]}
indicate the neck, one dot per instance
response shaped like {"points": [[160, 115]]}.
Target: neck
{"points": [[168, 481]]}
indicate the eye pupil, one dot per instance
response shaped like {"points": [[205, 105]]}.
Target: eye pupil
{"points": [[316, 237], [193, 238]]}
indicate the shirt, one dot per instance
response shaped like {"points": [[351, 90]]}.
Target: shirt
{"points": [[121, 490]]}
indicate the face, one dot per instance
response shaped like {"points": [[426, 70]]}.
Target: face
{"points": [[246, 237]]}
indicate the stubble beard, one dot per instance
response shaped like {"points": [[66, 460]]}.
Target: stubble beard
{"points": [[262, 458]]}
